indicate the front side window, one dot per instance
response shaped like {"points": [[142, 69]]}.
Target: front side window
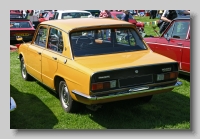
{"points": [[105, 41], [169, 31], [41, 37], [55, 40], [180, 30]]}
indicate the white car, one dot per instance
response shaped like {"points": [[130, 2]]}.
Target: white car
{"points": [[66, 14]]}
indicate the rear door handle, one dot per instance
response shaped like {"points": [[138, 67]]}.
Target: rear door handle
{"points": [[55, 58], [39, 53]]}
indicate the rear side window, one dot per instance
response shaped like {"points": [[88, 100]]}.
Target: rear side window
{"points": [[41, 36]]}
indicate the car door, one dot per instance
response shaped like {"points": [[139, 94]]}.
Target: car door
{"points": [[51, 56], [35, 52], [161, 45], [179, 45], [185, 60]]}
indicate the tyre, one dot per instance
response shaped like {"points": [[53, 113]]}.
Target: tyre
{"points": [[67, 103], [24, 72]]}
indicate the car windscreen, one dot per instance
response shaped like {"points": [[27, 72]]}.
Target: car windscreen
{"points": [[105, 41], [75, 15], [20, 24]]}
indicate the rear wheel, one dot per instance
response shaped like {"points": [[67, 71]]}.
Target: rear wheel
{"points": [[24, 72], [68, 104]]}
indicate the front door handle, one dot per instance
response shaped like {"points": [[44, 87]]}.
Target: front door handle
{"points": [[65, 61], [55, 58], [179, 43], [39, 53]]}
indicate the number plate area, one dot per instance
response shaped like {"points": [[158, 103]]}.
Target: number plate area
{"points": [[160, 77]]}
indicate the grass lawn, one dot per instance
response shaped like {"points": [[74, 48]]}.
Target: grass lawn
{"points": [[148, 28], [39, 108]]}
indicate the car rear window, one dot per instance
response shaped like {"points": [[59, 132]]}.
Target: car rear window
{"points": [[74, 15], [20, 24], [16, 16], [105, 41]]}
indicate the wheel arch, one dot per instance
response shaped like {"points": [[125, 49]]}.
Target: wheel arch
{"points": [[57, 79]]}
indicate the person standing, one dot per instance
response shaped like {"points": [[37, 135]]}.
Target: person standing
{"points": [[125, 16]]}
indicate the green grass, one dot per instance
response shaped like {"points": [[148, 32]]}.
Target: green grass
{"points": [[39, 108], [148, 28]]}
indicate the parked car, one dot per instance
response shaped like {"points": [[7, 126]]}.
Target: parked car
{"points": [[74, 58], [139, 25], [94, 13], [67, 14], [45, 16], [15, 14], [21, 27], [174, 43]]}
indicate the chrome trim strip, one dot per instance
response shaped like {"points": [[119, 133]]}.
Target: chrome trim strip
{"points": [[83, 95], [125, 94]]}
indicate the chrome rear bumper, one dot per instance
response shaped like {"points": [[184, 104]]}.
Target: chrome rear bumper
{"points": [[137, 90]]}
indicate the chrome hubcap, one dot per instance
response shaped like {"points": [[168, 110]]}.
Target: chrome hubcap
{"points": [[65, 96], [23, 70]]}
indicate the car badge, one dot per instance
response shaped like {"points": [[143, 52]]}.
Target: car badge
{"points": [[103, 77], [136, 71], [166, 69]]}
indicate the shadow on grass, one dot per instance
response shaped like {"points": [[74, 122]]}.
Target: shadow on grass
{"points": [[31, 112], [185, 77], [166, 110]]}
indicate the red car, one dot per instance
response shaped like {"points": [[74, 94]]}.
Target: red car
{"points": [[174, 43], [45, 16], [16, 14], [21, 27], [139, 25]]}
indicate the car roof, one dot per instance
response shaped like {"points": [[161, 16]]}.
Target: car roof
{"points": [[70, 24], [68, 11]]}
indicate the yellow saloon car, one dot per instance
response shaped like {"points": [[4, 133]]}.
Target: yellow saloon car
{"points": [[91, 61]]}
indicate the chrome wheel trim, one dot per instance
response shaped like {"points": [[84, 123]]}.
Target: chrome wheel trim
{"points": [[24, 73], [65, 96]]}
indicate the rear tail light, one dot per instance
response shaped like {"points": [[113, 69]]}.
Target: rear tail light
{"points": [[17, 45], [167, 76], [104, 85]]}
